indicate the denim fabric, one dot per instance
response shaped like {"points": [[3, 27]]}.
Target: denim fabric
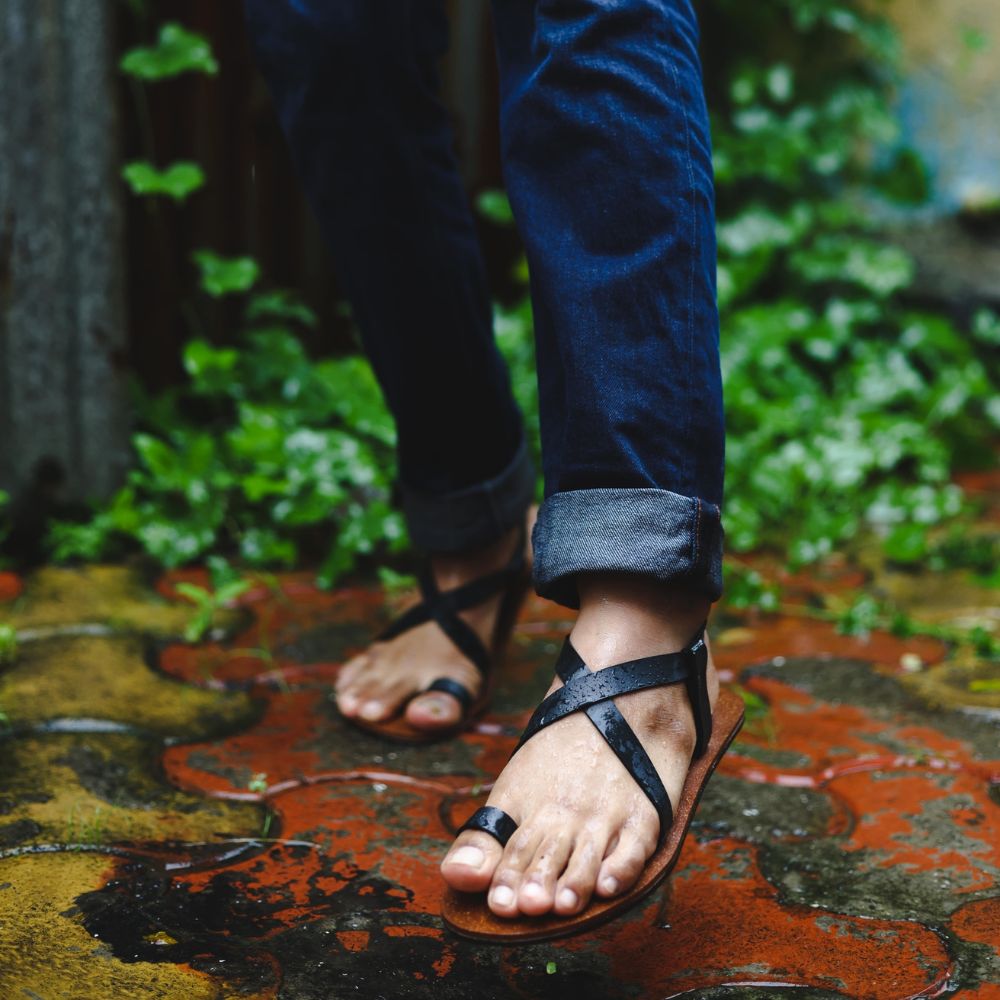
{"points": [[474, 516], [656, 533], [607, 162]]}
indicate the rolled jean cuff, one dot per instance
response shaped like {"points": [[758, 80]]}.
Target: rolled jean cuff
{"points": [[473, 516], [673, 538]]}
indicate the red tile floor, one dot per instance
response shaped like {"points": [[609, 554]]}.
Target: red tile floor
{"points": [[196, 821]]}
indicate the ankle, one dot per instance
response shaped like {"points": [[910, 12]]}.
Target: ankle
{"points": [[452, 569], [625, 616]]}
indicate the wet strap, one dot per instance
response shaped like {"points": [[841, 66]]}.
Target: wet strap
{"points": [[493, 821], [458, 691], [593, 691]]}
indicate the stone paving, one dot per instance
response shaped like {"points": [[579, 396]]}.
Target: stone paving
{"points": [[195, 821]]}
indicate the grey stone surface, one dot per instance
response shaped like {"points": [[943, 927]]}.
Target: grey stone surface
{"points": [[61, 308]]}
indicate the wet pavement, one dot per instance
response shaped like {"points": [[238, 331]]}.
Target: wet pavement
{"points": [[195, 821]]}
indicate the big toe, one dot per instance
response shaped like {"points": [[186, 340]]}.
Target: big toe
{"points": [[434, 710], [471, 862]]}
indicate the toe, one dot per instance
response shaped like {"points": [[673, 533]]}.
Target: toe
{"points": [[576, 885], [346, 684], [373, 700], [537, 891], [471, 862], [624, 863], [517, 855], [434, 710]]}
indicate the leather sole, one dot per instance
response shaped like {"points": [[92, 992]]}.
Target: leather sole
{"points": [[468, 915]]}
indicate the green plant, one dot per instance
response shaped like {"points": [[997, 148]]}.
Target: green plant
{"points": [[176, 181], [175, 51], [8, 643], [208, 603], [848, 407], [264, 454], [258, 784]]}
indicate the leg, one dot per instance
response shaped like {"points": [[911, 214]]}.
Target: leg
{"points": [[355, 84], [608, 166]]}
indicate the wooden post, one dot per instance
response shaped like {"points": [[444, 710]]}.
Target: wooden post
{"points": [[63, 419]]}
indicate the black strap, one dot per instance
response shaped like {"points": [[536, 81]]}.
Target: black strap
{"points": [[593, 691], [458, 691], [620, 738], [443, 607], [493, 821]]}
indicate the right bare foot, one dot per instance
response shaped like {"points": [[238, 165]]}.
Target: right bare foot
{"points": [[376, 684], [585, 828]]}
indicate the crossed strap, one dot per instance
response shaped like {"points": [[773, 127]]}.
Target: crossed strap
{"points": [[443, 606], [592, 692]]}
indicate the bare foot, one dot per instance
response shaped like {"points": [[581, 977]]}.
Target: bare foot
{"points": [[584, 826], [377, 683]]}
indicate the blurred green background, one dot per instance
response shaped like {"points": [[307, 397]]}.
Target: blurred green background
{"points": [[178, 371]]}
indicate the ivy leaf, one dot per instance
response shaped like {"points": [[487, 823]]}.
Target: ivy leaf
{"points": [[176, 181], [281, 304], [176, 51], [212, 370], [495, 207], [225, 275]]}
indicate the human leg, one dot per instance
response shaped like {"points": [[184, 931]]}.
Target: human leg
{"points": [[608, 166], [355, 84]]}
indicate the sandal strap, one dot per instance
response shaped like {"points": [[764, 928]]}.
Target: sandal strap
{"points": [[619, 736], [592, 692], [493, 821], [443, 607], [458, 691]]}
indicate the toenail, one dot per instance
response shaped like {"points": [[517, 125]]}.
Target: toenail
{"points": [[610, 885], [503, 895], [348, 701], [372, 710], [568, 899], [434, 706], [535, 890], [473, 857]]}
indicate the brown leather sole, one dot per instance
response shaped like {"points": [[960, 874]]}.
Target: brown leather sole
{"points": [[399, 730], [468, 915]]}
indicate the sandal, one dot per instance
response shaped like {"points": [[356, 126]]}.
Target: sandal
{"points": [[593, 692], [443, 607]]}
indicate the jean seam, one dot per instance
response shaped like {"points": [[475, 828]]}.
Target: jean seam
{"points": [[697, 532], [693, 224]]}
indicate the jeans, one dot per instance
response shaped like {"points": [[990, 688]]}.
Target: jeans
{"points": [[607, 163]]}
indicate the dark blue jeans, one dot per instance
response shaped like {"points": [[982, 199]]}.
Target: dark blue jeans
{"points": [[607, 162]]}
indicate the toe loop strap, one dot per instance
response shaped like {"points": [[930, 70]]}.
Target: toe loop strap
{"points": [[458, 691], [493, 821]]}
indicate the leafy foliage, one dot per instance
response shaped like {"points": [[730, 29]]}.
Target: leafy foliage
{"points": [[8, 643], [264, 454], [176, 51], [849, 405], [225, 275], [207, 603], [176, 181]]}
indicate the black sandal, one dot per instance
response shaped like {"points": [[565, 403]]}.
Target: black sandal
{"points": [[443, 607], [593, 692]]}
